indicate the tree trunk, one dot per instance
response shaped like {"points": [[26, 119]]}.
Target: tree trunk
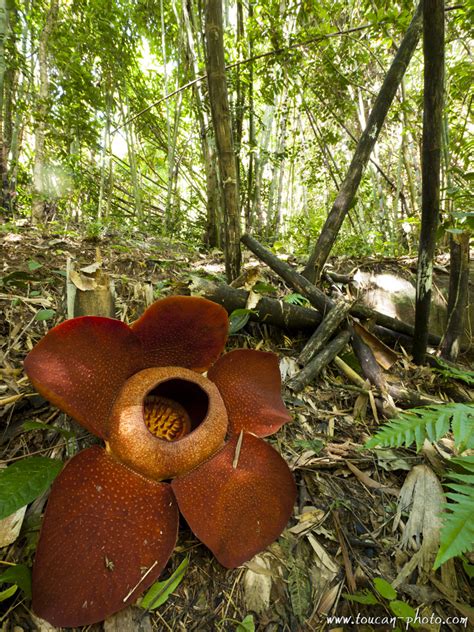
{"points": [[249, 219], [363, 150], [38, 198], [221, 120], [212, 236], [261, 159], [3, 100], [458, 295], [433, 52]]}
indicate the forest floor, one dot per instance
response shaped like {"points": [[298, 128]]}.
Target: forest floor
{"points": [[344, 532]]}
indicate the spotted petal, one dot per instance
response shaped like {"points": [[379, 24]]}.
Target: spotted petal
{"points": [[250, 384], [184, 331], [238, 502], [81, 365], [106, 537]]}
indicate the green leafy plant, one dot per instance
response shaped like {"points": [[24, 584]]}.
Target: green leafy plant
{"points": [[159, 592], [433, 422], [246, 625], [18, 576], [24, 481], [296, 299], [385, 595], [454, 372], [238, 319]]}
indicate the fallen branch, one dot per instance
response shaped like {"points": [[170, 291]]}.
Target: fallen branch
{"points": [[317, 364], [324, 332], [317, 298], [390, 393], [268, 310]]}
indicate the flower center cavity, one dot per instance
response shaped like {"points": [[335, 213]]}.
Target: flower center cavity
{"points": [[165, 418]]}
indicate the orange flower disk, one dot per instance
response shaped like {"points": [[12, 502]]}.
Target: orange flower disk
{"points": [[111, 521]]}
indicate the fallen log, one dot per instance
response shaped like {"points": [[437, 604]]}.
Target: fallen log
{"points": [[317, 364], [318, 299], [268, 310], [278, 313], [390, 393], [324, 332]]}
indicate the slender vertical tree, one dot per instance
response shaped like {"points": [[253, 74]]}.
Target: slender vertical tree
{"points": [[433, 55], [38, 198], [222, 123], [366, 143]]}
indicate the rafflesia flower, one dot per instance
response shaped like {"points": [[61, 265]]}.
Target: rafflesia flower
{"points": [[111, 522]]}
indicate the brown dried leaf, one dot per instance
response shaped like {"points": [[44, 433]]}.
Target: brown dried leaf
{"points": [[84, 283], [383, 354], [422, 495], [258, 580], [10, 527]]}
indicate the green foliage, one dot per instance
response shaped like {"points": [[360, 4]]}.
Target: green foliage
{"points": [[246, 625], [433, 422], [457, 534], [264, 288], [160, 592], [45, 314], [238, 319], [296, 299], [454, 372], [386, 596], [24, 481], [19, 576], [428, 422], [299, 588]]}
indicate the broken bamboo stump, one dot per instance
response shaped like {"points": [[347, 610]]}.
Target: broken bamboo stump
{"points": [[317, 364], [317, 298], [90, 291], [323, 333]]}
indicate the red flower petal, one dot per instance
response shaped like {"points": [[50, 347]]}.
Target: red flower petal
{"points": [[81, 365], [106, 537], [182, 331], [250, 385], [238, 511]]}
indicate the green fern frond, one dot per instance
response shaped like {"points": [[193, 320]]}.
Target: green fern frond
{"points": [[428, 422], [464, 463], [454, 372], [457, 533]]}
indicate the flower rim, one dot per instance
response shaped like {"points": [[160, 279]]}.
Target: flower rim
{"points": [[131, 442]]}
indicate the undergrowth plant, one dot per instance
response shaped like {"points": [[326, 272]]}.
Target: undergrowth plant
{"points": [[432, 423]]}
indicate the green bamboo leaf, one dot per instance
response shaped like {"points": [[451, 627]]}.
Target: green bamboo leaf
{"points": [[34, 265], [365, 597], [39, 425], [384, 588], [24, 481], [20, 575], [45, 314], [8, 592], [159, 592], [247, 625], [261, 288], [404, 611], [238, 319]]}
